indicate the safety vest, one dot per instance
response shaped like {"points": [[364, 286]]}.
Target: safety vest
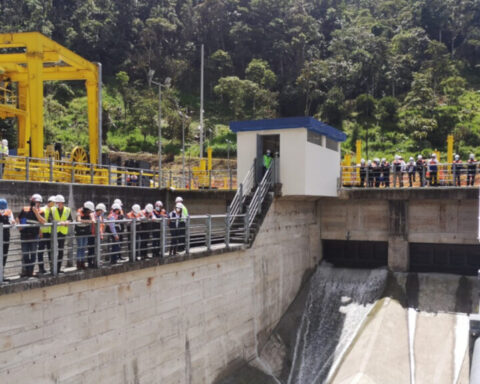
{"points": [[63, 229], [4, 149], [46, 211], [267, 161]]}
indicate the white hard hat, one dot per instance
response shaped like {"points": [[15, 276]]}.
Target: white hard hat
{"points": [[89, 205], [118, 201], [362, 161], [268, 151], [369, 162], [116, 206], [419, 157], [457, 157], [179, 205], [59, 199], [136, 208], [472, 156], [37, 198], [158, 203], [411, 159], [377, 160], [52, 198], [4, 142], [434, 155], [384, 159], [149, 208], [179, 199], [397, 157], [101, 207]]}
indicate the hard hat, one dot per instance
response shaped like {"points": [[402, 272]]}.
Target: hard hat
{"points": [[37, 198], [411, 159], [369, 162], [136, 208], [457, 157], [158, 203], [434, 155], [3, 204], [268, 152], [419, 157], [179, 205], [59, 199], [116, 206], [101, 207], [149, 208], [89, 205], [179, 199], [472, 156], [397, 157], [362, 161], [52, 199], [118, 201], [383, 159], [377, 160], [4, 142]]}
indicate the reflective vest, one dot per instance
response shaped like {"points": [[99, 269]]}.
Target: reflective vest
{"points": [[63, 229], [267, 161], [4, 149], [46, 211]]}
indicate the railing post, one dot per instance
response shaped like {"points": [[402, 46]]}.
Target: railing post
{"points": [[91, 173], [109, 174], [51, 169], [227, 228], [54, 248], [133, 242], [98, 245], [163, 237], [187, 235], [209, 233], [27, 169], [72, 175], [247, 227], [1, 253]]}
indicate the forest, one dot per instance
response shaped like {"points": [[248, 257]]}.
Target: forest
{"points": [[400, 74]]}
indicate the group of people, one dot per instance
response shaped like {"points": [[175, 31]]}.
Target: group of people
{"points": [[377, 173], [91, 222]]}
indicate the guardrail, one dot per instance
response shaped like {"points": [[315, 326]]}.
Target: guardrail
{"points": [[97, 246], [445, 174], [61, 171]]}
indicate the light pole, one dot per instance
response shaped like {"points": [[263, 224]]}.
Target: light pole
{"points": [[183, 116], [166, 85]]}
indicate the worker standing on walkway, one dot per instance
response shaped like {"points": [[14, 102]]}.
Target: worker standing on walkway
{"points": [[457, 171], [99, 217], [471, 170], [135, 215], [158, 214], [420, 165], [386, 172], [397, 172], [45, 234], [411, 169], [6, 218], [177, 234], [363, 172], [83, 230], [370, 173], [3, 155], [30, 215], [145, 229], [433, 170], [267, 161], [62, 215], [179, 199], [113, 227]]}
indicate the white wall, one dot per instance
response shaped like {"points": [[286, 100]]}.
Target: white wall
{"points": [[246, 153], [292, 160], [322, 171]]}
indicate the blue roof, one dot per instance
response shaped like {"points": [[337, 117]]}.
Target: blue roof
{"points": [[287, 123]]}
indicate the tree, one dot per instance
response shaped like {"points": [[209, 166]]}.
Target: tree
{"points": [[333, 110]]}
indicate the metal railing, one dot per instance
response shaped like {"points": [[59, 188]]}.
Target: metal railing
{"points": [[262, 189], [62, 171], [243, 190], [445, 174], [106, 243]]}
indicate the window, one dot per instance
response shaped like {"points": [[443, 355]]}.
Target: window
{"points": [[332, 144], [314, 138]]}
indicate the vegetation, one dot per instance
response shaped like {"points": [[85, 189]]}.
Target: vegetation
{"points": [[406, 72]]}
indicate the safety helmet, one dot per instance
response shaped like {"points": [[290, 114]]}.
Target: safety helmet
{"points": [[116, 206], [384, 159], [457, 157], [179, 199], [118, 201], [362, 161], [52, 199], [136, 208], [89, 205], [472, 156], [149, 208], [419, 157], [158, 204], [36, 198], [268, 152], [411, 159], [369, 162], [101, 207], [397, 157], [377, 160], [5, 142], [434, 155], [59, 199], [3, 204], [179, 205]]}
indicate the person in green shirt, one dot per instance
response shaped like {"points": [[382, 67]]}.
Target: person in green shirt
{"points": [[267, 160]]}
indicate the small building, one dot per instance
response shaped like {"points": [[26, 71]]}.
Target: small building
{"points": [[308, 153]]}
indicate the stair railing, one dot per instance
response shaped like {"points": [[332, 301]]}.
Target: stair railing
{"points": [[243, 190], [260, 193]]}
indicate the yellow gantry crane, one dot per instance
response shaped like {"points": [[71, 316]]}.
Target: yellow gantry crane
{"points": [[26, 61]]}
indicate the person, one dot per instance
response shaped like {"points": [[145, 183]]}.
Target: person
{"points": [[119, 202], [6, 218], [179, 199], [121, 232], [370, 175], [175, 224], [3, 155], [377, 172], [45, 235], [457, 171], [99, 217], [420, 166], [411, 169], [471, 170], [135, 215], [363, 172], [158, 213], [29, 235], [62, 215], [397, 172], [267, 160], [113, 229], [433, 170], [386, 172], [145, 229], [83, 231]]}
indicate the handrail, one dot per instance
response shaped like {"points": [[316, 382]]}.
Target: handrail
{"points": [[260, 193], [243, 190]]}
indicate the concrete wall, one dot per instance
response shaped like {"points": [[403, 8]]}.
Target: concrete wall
{"points": [[401, 217], [178, 323], [17, 194], [322, 170]]}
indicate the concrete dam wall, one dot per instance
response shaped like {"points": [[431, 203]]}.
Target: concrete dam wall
{"points": [[190, 322]]}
